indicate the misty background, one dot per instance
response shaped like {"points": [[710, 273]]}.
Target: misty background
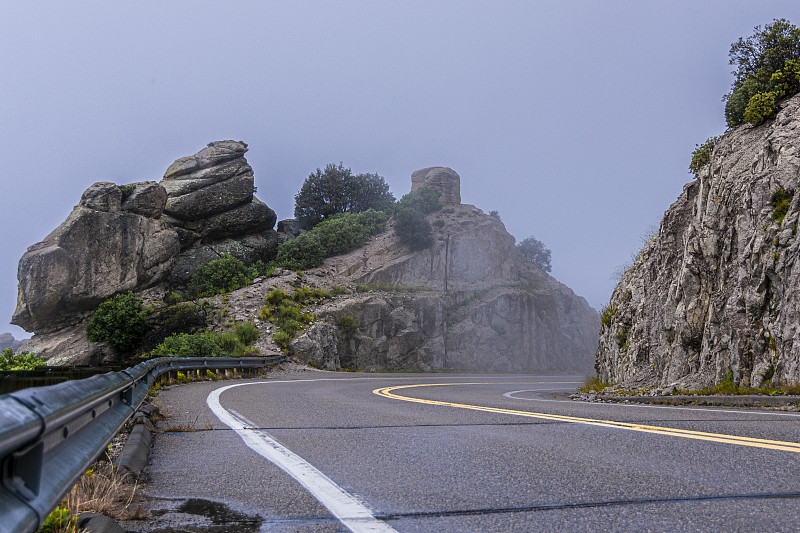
{"points": [[574, 119]]}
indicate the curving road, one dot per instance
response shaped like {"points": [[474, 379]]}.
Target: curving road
{"points": [[316, 451]]}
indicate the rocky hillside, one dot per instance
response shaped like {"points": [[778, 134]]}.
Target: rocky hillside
{"points": [[470, 301], [717, 291]]}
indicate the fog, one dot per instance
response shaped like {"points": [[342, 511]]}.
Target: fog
{"points": [[575, 120]]}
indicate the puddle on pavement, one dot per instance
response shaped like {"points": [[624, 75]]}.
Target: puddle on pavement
{"points": [[223, 518]]}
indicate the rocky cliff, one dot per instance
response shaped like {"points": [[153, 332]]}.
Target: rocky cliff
{"points": [[717, 291], [468, 302]]}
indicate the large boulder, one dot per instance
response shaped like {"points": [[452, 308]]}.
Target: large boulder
{"points": [[444, 179], [211, 205], [98, 251]]}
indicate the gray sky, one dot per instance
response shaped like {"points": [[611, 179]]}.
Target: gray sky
{"points": [[574, 119]]}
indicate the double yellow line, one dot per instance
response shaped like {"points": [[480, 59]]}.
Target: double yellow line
{"points": [[386, 392]]}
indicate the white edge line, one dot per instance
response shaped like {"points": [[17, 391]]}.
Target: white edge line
{"points": [[342, 505]]}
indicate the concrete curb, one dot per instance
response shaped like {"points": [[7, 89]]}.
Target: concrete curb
{"points": [[98, 523], [136, 452], [744, 400]]}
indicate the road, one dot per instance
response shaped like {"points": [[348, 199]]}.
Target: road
{"points": [[318, 451]]}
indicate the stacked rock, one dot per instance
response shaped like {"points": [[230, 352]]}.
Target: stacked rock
{"points": [[445, 179], [113, 241], [211, 205]]}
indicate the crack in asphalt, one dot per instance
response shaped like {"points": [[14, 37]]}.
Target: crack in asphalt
{"points": [[582, 505]]}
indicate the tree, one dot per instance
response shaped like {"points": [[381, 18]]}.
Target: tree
{"points": [[766, 62], [337, 190], [534, 251]]}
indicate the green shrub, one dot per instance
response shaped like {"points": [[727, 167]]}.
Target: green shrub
{"points": [[188, 345], [283, 338], [126, 190], [301, 253], [219, 276], [702, 154], [348, 231], [20, 360], [780, 201], [230, 343], [247, 332], [760, 107], [348, 326], [413, 229], [607, 314], [425, 200], [119, 321]]}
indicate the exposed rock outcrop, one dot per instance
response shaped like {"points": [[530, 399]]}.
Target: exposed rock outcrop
{"points": [[211, 204], [468, 302], [445, 179], [717, 291], [104, 247], [7, 340]]}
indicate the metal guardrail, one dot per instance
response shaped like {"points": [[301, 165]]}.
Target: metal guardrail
{"points": [[49, 436]]}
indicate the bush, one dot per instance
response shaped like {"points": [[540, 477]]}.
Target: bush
{"points": [[534, 251], [337, 190], [219, 276], [181, 318], [120, 321], [348, 231], [247, 332], [760, 107], [230, 343], [301, 253], [780, 201], [702, 154], [425, 200], [412, 229], [348, 326], [188, 345], [607, 314], [20, 360]]}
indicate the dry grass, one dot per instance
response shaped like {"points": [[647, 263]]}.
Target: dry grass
{"points": [[189, 426], [102, 490]]}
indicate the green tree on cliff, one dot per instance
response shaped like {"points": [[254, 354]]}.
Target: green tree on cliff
{"points": [[534, 251], [767, 69], [337, 190]]}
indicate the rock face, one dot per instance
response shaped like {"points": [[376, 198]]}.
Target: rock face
{"points": [[468, 302], [7, 340], [210, 203], [717, 291], [442, 178], [105, 246]]}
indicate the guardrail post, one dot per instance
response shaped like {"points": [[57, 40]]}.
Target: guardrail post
{"points": [[22, 471]]}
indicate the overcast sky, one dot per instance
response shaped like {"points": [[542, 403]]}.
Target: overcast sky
{"points": [[574, 119]]}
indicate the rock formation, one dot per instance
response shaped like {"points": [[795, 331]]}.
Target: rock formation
{"points": [[104, 247], [7, 340], [468, 302], [443, 178], [717, 291], [210, 202], [112, 242]]}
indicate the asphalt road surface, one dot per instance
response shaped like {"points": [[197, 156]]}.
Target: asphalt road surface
{"points": [[318, 451]]}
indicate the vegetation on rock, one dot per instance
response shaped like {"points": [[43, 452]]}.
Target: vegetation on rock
{"points": [[208, 343], [219, 276], [767, 70], [337, 190], [119, 321], [534, 251], [285, 311], [410, 224], [702, 154], [780, 201]]}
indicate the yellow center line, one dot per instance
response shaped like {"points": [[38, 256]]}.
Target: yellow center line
{"points": [[386, 392]]}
